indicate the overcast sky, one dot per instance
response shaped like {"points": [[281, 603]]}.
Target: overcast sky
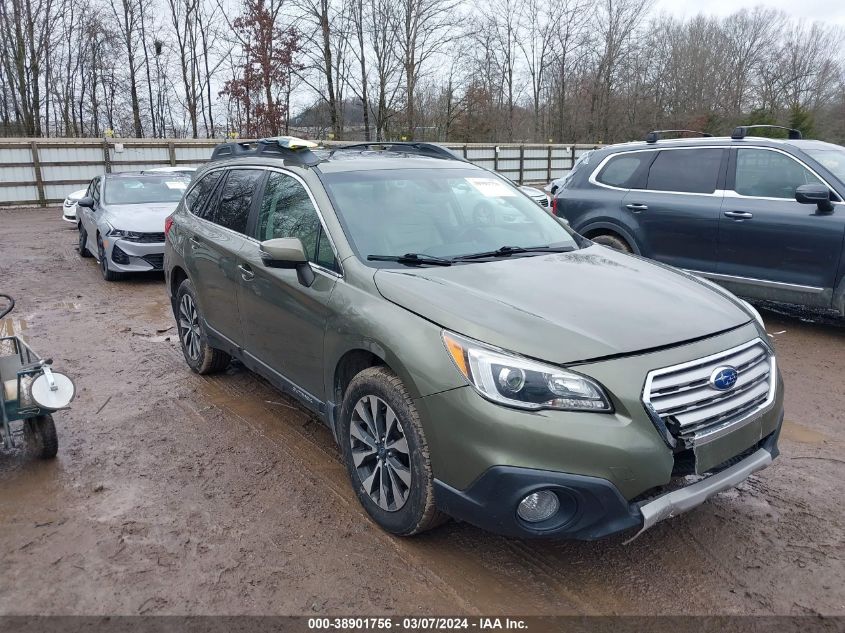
{"points": [[828, 10]]}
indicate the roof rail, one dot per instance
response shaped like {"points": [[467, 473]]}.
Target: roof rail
{"points": [[293, 150], [656, 135], [432, 150], [741, 131]]}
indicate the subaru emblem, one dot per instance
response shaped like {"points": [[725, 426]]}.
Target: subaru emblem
{"points": [[723, 378]]}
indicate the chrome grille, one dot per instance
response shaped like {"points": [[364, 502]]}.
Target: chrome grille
{"points": [[682, 397]]}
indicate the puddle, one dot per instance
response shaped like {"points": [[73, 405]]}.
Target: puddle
{"points": [[799, 433]]}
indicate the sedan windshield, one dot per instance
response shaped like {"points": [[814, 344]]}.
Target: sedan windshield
{"points": [[443, 213], [833, 159], [145, 189]]}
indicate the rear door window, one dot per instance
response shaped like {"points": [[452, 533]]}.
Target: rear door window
{"points": [[763, 173], [232, 210], [685, 170], [622, 170]]}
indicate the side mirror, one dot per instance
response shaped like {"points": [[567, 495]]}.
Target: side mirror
{"points": [[815, 194], [87, 202], [287, 252]]}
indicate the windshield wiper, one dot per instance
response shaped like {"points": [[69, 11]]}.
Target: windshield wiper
{"points": [[507, 251], [411, 259]]}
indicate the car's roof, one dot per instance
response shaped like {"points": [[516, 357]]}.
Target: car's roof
{"points": [[352, 160], [143, 174], [722, 141]]}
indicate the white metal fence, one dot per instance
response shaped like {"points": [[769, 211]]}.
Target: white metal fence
{"points": [[44, 171]]}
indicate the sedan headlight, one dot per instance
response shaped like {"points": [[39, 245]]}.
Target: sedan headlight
{"points": [[520, 382], [113, 232]]}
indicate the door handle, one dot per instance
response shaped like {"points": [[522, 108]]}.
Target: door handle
{"points": [[195, 243], [636, 208], [246, 272], [739, 215]]}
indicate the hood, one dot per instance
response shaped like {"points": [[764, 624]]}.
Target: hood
{"points": [[565, 307], [143, 218]]}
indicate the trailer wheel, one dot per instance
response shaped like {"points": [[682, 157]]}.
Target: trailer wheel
{"points": [[41, 438]]}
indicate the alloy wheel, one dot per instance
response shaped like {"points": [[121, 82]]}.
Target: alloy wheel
{"points": [[189, 326], [380, 453]]}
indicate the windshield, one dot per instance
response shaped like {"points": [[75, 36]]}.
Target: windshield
{"points": [[833, 159], [438, 212], [145, 189]]}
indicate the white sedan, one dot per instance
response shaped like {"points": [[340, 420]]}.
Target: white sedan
{"points": [[69, 205]]}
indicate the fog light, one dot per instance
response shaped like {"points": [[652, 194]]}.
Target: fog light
{"points": [[538, 506]]}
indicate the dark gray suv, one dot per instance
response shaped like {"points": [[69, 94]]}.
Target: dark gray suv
{"points": [[764, 217]]}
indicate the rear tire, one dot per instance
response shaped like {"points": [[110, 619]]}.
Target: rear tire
{"points": [[41, 438], [83, 241], [199, 355], [395, 452], [612, 241]]}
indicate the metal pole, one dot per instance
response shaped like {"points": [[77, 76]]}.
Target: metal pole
{"points": [[39, 181]]}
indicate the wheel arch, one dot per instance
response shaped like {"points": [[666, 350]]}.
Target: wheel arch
{"points": [[606, 228], [177, 276], [355, 358]]}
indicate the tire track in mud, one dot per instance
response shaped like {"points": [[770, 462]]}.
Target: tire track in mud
{"points": [[529, 587], [524, 583]]}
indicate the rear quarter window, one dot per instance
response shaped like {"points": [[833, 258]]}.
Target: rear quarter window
{"points": [[621, 170], [196, 200]]}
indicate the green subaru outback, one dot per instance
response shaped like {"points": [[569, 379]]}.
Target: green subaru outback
{"points": [[473, 357]]}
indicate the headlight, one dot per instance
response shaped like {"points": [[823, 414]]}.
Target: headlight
{"points": [[113, 232], [521, 382], [754, 313]]}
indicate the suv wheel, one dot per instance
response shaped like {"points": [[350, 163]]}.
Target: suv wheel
{"points": [[386, 453], [612, 241], [199, 355]]}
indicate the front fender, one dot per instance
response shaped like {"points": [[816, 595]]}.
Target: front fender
{"points": [[409, 344]]}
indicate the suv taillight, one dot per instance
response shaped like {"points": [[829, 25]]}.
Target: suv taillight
{"points": [[168, 222], [554, 206]]}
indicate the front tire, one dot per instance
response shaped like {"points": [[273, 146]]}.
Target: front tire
{"points": [[108, 273], [386, 453], [199, 355]]}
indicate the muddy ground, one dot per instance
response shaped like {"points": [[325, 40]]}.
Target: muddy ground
{"points": [[177, 493]]}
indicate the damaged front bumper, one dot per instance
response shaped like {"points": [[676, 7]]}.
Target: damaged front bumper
{"points": [[590, 507]]}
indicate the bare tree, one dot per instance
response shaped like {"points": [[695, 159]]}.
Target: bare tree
{"points": [[129, 17], [425, 27]]}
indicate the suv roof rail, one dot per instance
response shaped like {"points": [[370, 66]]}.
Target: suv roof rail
{"points": [[656, 135], [432, 150], [741, 131], [294, 150]]}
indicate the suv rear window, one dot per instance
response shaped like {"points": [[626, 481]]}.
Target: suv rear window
{"points": [[620, 171], [685, 171]]}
